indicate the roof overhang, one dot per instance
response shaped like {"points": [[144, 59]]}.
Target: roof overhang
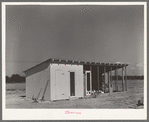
{"points": [[75, 62]]}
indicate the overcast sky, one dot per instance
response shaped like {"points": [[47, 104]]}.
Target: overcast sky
{"points": [[106, 34]]}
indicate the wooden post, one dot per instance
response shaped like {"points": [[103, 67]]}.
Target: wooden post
{"points": [[44, 90], [122, 78], [98, 76], [85, 84], [109, 80], [116, 78], [91, 78], [104, 79], [38, 94], [100, 79], [125, 79], [111, 85]]}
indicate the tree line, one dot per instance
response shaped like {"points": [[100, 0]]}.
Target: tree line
{"points": [[15, 78], [135, 77]]}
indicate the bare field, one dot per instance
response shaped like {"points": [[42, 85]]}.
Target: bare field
{"points": [[117, 100], [15, 86]]}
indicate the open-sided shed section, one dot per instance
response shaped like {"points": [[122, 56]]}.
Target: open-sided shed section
{"points": [[101, 76], [61, 79]]}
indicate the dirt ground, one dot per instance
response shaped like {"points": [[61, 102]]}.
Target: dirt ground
{"points": [[117, 100]]}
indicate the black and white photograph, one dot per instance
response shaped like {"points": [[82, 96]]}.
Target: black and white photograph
{"points": [[74, 60]]}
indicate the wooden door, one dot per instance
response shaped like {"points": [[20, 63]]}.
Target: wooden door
{"points": [[61, 86]]}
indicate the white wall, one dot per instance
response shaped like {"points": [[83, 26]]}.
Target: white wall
{"points": [[36, 81], [78, 69]]}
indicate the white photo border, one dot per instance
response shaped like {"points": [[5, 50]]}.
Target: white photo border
{"points": [[59, 114]]}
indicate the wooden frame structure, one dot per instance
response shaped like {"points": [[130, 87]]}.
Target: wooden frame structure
{"points": [[98, 72], [108, 69]]}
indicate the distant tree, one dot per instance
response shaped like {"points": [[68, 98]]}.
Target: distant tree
{"points": [[23, 79], [15, 78], [135, 77], [142, 77], [7, 79]]}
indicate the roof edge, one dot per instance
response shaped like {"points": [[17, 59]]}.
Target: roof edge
{"points": [[62, 61]]}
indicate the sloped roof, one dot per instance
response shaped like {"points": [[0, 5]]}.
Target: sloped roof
{"points": [[46, 63]]}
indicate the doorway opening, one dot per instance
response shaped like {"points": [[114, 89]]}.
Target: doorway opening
{"points": [[88, 82], [72, 83]]}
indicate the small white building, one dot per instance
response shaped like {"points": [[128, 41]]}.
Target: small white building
{"points": [[62, 79]]}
